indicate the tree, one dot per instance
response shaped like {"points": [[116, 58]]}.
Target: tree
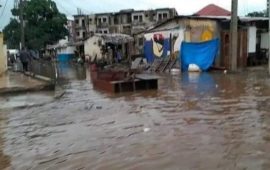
{"points": [[257, 14], [12, 34], [44, 24]]}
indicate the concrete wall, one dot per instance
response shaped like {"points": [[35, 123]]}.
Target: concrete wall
{"points": [[161, 15], [138, 15], [3, 56], [195, 30], [92, 48]]}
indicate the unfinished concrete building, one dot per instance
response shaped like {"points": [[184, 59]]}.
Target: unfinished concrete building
{"points": [[127, 21]]}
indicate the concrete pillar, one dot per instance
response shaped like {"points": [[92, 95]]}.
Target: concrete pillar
{"points": [[234, 35], [3, 56]]}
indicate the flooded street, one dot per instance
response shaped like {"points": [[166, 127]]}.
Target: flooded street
{"points": [[193, 122]]}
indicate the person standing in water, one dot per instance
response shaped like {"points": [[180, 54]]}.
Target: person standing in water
{"points": [[25, 59]]}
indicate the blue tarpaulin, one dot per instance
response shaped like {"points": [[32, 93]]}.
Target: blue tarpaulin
{"points": [[202, 54]]}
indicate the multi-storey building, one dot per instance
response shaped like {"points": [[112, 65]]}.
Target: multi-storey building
{"points": [[127, 21], [80, 27], [71, 29]]}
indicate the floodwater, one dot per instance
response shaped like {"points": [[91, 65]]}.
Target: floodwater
{"points": [[26, 100], [192, 122]]}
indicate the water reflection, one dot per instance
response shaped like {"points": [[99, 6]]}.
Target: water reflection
{"points": [[199, 83], [67, 71]]}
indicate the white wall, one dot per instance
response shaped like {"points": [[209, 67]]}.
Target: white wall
{"points": [[92, 48], [66, 50], [63, 48], [252, 39], [3, 55]]}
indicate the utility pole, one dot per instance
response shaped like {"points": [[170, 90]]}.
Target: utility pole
{"points": [[21, 6], [234, 35], [268, 10]]}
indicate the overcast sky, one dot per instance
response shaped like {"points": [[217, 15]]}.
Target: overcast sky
{"points": [[184, 7]]}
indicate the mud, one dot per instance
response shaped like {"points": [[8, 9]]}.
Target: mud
{"points": [[206, 121]]}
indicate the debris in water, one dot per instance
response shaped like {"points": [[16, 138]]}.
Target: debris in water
{"points": [[99, 107], [89, 107], [257, 88], [146, 129]]}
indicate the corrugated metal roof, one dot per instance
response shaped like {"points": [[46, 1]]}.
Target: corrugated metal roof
{"points": [[115, 38]]}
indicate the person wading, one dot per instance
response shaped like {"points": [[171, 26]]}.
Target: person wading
{"points": [[25, 59]]}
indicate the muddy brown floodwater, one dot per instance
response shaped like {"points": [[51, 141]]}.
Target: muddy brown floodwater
{"points": [[193, 122]]}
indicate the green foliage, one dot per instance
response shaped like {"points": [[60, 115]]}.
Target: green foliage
{"points": [[12, 34], [44, 24], [257, 14]]}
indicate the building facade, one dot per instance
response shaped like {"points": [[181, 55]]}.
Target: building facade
{"points": [[71, 29], [3, 56], [127, 21], [166, 38]]}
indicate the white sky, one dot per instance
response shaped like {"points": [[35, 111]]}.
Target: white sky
{"points": [[184, 7]]}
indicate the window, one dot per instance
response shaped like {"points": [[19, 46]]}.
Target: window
{"points": [[115, 20], [136, 17], [159, 16], [129, 20], [146, 15], [141, 41], [99, 21], [105, 32], [83, 23], [99, 42], [141, 18], [84, 34], [78, 34], [165, 16], [77, 21], [90, 20], [104, 20]]}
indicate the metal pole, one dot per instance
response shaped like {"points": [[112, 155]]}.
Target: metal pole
{"points": [[21, 5], [268, 8], [234, 35]]}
